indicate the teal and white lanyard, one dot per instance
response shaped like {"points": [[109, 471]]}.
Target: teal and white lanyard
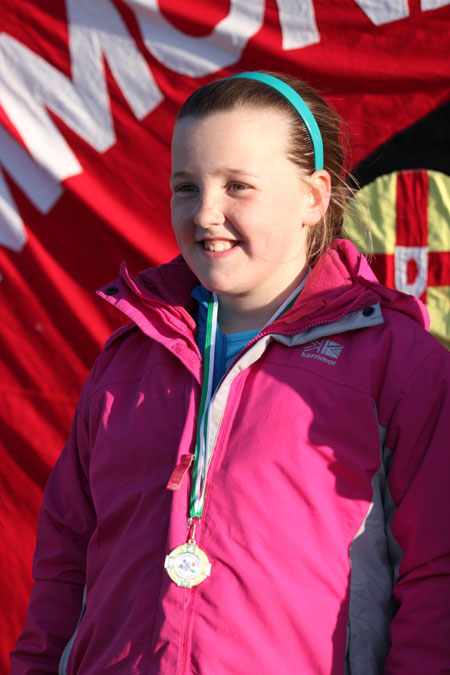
{"points": [[203, 447], [201, 444]]}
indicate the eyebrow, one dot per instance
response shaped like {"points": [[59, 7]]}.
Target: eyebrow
{"points": [[225, 169]]}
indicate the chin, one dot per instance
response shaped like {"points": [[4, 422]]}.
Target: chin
{"points": [[214, 285]]}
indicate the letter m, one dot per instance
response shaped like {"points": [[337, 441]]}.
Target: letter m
{"points": [[30, 86]]}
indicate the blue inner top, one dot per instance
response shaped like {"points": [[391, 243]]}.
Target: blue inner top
{"points": [[227, 346]]}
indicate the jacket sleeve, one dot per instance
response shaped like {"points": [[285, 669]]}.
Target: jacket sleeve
{"points": [[66, 523], [419, 492]]}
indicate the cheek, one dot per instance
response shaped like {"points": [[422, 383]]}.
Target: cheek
{"points": [[178, 218], [278, 227], [284, 240]]}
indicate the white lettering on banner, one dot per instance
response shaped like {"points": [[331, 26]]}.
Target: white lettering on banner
{"points": [[41, 189], [426, 5], [198, 56], [12, 230], [97, 27], [384, 11], [29, 85], [418, 254], [298, 24]]}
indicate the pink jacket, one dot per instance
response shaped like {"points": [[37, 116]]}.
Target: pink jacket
{"points": [[327, 510]]}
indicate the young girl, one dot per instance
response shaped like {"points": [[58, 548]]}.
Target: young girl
{"points": [[256, 480]]}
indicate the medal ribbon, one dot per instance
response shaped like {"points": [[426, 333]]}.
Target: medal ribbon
{"points": [[201, 443], [201, 458]]}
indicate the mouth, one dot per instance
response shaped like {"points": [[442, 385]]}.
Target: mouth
{"points": [[217, 246]]}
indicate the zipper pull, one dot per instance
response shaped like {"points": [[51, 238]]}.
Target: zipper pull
{"points": [[180, 471]]}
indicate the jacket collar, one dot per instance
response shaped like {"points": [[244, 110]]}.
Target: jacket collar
{"points": [[340, 282]]}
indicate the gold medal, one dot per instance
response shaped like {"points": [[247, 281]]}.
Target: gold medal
{"points": [[187, 565]]}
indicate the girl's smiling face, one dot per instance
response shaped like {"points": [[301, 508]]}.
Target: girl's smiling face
{"points": [[239, 205]]}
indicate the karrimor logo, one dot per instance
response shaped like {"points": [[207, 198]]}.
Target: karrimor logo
{"points": [[323, 350]]}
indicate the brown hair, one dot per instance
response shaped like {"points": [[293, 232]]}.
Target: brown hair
{"points": [[232, 93]]}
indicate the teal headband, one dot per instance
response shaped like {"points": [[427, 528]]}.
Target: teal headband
{"points": [[300, 106]]}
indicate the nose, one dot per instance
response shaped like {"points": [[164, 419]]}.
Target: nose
{"points": [[208, 212]]}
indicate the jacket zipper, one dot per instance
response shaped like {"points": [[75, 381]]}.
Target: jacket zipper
{"points": [[312, 324], [182, 664], [64, 660]]}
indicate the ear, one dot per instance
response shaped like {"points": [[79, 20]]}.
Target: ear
{"points": [[318, 197]]}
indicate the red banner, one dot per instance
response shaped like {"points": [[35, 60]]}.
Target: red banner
{"points": [[88, 94]]}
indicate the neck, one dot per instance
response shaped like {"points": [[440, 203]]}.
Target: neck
{"points": [[242, 313]]}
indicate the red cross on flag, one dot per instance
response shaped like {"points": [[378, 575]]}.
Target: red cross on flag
{"points": [[409, 213]]}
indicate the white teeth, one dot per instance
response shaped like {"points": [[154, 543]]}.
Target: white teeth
{"points": [[218, 246]]}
